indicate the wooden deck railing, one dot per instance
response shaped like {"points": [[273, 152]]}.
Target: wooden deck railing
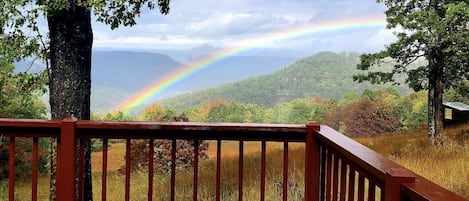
{"points": [[336, 167]]}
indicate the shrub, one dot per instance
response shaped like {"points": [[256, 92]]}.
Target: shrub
{"points": [[23, 157], [363, 117], [162, 152]]}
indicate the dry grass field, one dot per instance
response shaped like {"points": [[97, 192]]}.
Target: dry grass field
{"points": [[446, 165]]}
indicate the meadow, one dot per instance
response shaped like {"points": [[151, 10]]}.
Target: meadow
{"points": [[446, 165]]}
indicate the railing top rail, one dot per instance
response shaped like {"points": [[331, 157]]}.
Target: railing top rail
{"points": [[208, 126], [30, 127], [192, 130], [40, 123], [162, 130], [424, 190]]}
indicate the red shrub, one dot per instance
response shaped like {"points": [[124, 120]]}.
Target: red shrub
{"points": [[363, 119]]}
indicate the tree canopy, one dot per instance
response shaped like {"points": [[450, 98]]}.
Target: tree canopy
{"points": [[20, 94], [434, 30]]}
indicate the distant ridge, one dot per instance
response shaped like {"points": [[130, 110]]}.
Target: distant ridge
{"points": [[325, 74], [129, 71]]}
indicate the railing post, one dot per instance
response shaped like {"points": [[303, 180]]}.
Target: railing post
{"points": [[312, 163], [66, 162], [394, 179]]}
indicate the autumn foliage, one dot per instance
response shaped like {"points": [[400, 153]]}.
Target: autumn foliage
{"points": [[365, 118], [372, 114]]}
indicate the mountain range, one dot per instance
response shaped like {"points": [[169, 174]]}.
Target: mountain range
{"points": [[262, 80], [118, 75], [325, 74]]}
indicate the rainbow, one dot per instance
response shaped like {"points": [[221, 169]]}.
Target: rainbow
{"points": [[158, 86]]}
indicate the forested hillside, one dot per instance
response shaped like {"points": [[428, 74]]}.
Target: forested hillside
{"points": [[325, 74]]}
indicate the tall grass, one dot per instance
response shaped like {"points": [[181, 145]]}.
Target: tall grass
{"points": [[446, 165]]}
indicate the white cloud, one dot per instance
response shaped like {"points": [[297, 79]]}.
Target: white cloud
{"points": [[379, 40], [217, 23], [149, 43], [233, 23]]}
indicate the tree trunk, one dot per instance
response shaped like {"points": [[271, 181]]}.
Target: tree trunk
{"points": [[435, 99], [436, 67], [71, 40]]}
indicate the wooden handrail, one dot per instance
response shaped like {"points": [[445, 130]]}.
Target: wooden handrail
{"points": [[191, 131], [335, 165], [360, 155]]}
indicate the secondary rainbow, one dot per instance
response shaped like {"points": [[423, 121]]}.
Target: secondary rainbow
{"points": [[158, 86]]}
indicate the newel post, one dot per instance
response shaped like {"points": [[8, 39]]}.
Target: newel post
{"points": [[66, 160], [394, 179], [312, 162]]}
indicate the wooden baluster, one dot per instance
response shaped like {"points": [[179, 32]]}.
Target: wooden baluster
{"points": [[351, 184], [218, 183], [104, 171], [127, 170], [361, 187], [195, 168], [343, 179], [371, 191], [285, 171], [263, 159], [11, 170], [240, 170], [151, 151], [329, 164], [173, 170], [35, 169]]}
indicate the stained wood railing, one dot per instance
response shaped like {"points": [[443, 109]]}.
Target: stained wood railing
{"points": [[336, 167]]}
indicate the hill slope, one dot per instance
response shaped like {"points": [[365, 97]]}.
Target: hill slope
{"points": [[324, 74]]}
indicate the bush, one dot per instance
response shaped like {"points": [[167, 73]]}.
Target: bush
{"points": [[162, 153], [23, 157], [363, 117]]}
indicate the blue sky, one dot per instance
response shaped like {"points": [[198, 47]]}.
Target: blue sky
{"points": [[203, 26]]}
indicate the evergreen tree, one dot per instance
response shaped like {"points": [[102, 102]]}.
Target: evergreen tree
{"points": [[436, 30]]}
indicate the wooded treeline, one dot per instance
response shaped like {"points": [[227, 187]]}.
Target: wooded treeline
{"points": [[373, 112]]}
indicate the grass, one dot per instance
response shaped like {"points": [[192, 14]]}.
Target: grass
{"points": [[446, 165]]}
